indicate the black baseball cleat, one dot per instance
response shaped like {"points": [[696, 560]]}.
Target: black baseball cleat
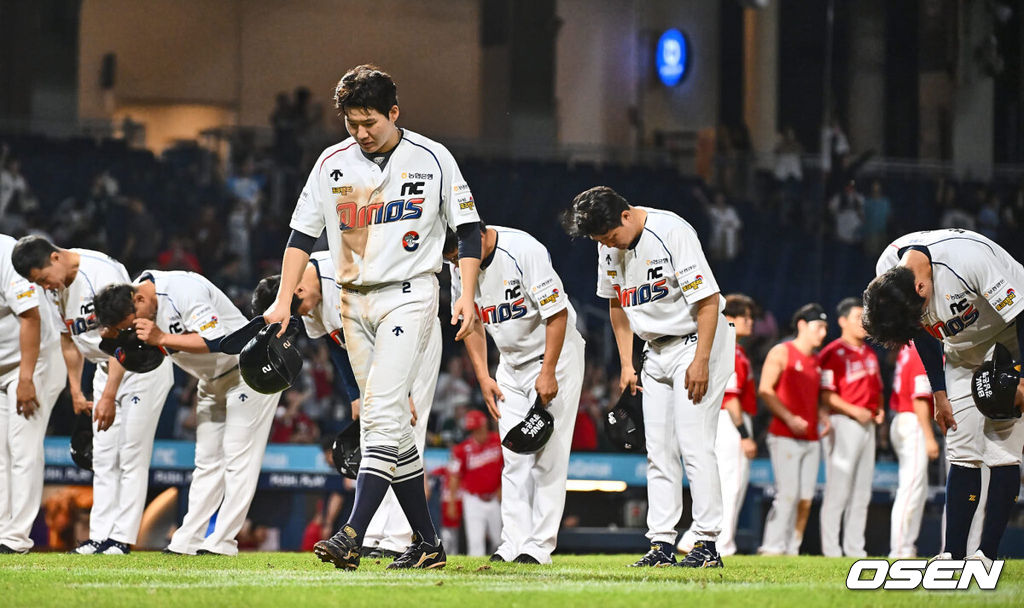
{"points": [[342, 550], [169, 551], [5, 550], [496, 558], [526, 558], [113, 547], [422, 555], [655, 558], [89, 547], [703, 555]]}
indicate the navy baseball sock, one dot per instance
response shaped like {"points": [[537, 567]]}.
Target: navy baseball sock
{"points": [[1003, 487], [413, 499], [963, 487], [376, 471]]}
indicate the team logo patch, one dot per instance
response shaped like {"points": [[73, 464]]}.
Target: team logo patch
{"points": [[341, 190], [1001, 304], [411, 240], [694, 284], [209, 324], [31, 291], [550, 299]]}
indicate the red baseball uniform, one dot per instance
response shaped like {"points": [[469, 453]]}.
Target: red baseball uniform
{"points": [[798, 389], [909, 381], [741, 384], [853, 373], [479, 465]]}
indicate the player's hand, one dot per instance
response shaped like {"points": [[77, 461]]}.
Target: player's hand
{"points": [[412, 410], [697, 380], [492, 395], [26, 397], [880, 416], [861, 415], [944, 413], [465, 308], [547, 386], [279, 312], [628, 380], [931, 447], [103, 412], [148, 332], [749, 447], [80, 404], [799, 426]]}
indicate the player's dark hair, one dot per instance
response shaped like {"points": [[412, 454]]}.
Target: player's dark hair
{"points": [[739, 305], [31, 252], [846, 305], [808, 312], [893, 308], [114, 304], [366, 86], [265, 294], [593, 211]]}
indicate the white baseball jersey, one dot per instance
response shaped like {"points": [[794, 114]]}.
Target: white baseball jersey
{"points": [[18, 295], [189, 303], [74, 303], [384, 224], [517, 291], [325, 318], [976, 285], [660, 281]]}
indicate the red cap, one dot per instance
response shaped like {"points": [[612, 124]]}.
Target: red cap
{"points": [[475, 419]]}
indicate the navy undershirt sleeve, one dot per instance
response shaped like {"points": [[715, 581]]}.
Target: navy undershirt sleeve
{"points": [[301, 240], [346, 378], [930, 351], [1020, 333], [213, 345], [469, 240]]}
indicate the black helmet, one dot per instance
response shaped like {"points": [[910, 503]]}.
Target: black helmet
{"points": [[133, 354], [532, 433], [994, 385], [270, 364], [624, 423], [346, 452], [81, 442]]}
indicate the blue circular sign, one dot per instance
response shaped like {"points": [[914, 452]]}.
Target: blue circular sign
{"points": [[672, 56]]}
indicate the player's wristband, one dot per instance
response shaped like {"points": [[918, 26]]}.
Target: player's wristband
{"points": [[742, 428]]}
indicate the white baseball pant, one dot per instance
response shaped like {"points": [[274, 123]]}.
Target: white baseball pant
{"points": [[734, 473], [233, 425], [676, 427], [533, 485], [121, 454], [389, 528], [849, 472], [795, 469], [482, 519], [912, 491], [21, 447]]}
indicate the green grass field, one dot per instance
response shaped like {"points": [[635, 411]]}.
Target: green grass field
{"points": [[282, 580]]}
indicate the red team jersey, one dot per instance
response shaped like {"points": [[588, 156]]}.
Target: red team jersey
{"points": [[909, 381], [741, 384], [853, 373], [478, 465], [798, 389]]}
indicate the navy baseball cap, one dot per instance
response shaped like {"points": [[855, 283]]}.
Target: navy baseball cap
{"points": [[809, 312]]}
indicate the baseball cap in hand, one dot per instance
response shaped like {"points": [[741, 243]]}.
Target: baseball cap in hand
{"points": [[530, 435], [994, 386]]}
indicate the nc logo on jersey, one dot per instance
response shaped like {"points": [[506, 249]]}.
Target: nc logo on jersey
{"points": [[966, 315], [506, 311], [1005, 302], [84, 323], [641, 294], [351, 215], [694, 284], [411, 240]]}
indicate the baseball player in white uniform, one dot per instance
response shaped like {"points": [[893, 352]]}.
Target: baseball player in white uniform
{"points": [[385, 197], [319, 297], [31, 377], [526, 311], [957, 293], [653, 272], [127, 405], [187, 315]]}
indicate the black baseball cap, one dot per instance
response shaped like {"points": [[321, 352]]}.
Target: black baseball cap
{"points": [[809, 312]]}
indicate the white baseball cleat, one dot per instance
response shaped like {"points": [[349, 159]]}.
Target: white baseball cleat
{"points": [[978, 555], [941, 556]]}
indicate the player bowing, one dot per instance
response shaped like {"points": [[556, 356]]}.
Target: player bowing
{"points": [[957, 293], [188, 315], [524, 308], [126, 406], [653, 272]]}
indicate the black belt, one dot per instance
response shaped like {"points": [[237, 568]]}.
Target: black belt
{"points": [[663, 340]]}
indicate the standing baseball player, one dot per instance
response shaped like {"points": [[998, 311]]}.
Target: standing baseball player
{"points": [[851, 390], [523, 306], [475, 474], [914, 443], [957, 293], [319, 304], [653, 272], [126, 406], [385, 197], [187, 315], [734, 447], [790, 387], [31, 377]]}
